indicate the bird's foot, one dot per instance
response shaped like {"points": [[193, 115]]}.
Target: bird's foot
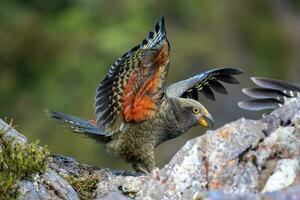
{"points": [[139, 168]]}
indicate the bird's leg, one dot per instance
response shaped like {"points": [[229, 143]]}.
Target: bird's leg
{"points": [[149, 161], [139, 168]]}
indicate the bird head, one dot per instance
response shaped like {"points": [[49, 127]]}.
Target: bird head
{"points": [[190, 113]]}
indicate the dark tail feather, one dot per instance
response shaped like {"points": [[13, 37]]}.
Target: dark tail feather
{"points": [[271, 94], [77, 125]]}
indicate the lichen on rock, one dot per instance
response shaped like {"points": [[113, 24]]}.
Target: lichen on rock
{"points": [[84, 185], [19, 161]]}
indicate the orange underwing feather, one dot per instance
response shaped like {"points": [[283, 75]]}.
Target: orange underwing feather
{"points": [[142, 105], [92, 121], [133, 88]]}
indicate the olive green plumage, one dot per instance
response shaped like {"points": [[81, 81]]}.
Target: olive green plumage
{"points": [[135, 111], [136, 144]]}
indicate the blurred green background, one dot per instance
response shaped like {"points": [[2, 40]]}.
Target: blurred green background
{"points": [[54, 53]]}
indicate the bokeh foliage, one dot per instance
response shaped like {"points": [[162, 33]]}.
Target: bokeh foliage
{"points": [[54, 53]]}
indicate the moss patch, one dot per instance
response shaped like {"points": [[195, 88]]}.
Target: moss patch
{"points": [[19, 161], [84, 185]]}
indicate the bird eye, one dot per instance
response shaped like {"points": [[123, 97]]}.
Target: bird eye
{"points": [[196, 110]]}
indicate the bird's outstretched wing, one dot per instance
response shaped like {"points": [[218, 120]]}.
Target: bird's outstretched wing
{"points": [[270, 94], [132, 90], [204, 83]]}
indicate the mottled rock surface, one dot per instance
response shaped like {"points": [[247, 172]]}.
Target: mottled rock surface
{"points": [[249, 159]]}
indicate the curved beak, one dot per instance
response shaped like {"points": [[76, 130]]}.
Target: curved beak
{"points": [[206, 121]]}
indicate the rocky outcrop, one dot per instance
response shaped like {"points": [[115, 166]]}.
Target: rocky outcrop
{"points": [[246, 158]]}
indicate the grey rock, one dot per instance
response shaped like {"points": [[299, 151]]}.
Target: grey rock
{"points": [[245, 159], [12, 133], [47, 186]]}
